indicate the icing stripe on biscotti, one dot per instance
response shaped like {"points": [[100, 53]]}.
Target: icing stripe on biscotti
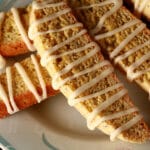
{"points": [[21, 29]]}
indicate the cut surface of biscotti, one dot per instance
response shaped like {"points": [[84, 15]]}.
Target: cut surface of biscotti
{"points": [[13, 32], [79, 70], [23, 85], [120, 35]]}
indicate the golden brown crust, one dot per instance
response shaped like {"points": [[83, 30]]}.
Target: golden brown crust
{"points": [[13, 48]]}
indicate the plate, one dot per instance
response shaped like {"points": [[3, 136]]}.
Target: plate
{"points": [[53, 125]]}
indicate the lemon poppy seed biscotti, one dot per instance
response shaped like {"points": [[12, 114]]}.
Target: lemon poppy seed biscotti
{"points": [[13, 32], [79, 70], [120, 35], [23, 85]]}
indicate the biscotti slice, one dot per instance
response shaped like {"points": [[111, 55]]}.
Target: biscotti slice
{"points": [[79, 70], [13, 32], [23, 85], [141, 7], [122, 36]]}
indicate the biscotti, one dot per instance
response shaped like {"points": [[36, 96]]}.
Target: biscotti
{"points": [[23, 85], [13, 32], [79, 70], [120, 35]]}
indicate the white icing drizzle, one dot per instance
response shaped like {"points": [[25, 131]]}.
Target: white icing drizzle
{"points": [[32, 36], [10, 90], [125, 126], [110, 33], [74, 96], [117, 5], [80, 49], [112, 116], [130, 74], [21, 29], [48, 18], [131, 51], [86, 86], [140, 5], [3, 94], [4, 97], [45, 60], [104, 105], [73, 64], [88, 70], [130, 70], [126, 41], [82, 99], [40, 77]]}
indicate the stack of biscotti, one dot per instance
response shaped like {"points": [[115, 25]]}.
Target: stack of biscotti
{"points": [[23, 85], [81, 73], [120, 35]]}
